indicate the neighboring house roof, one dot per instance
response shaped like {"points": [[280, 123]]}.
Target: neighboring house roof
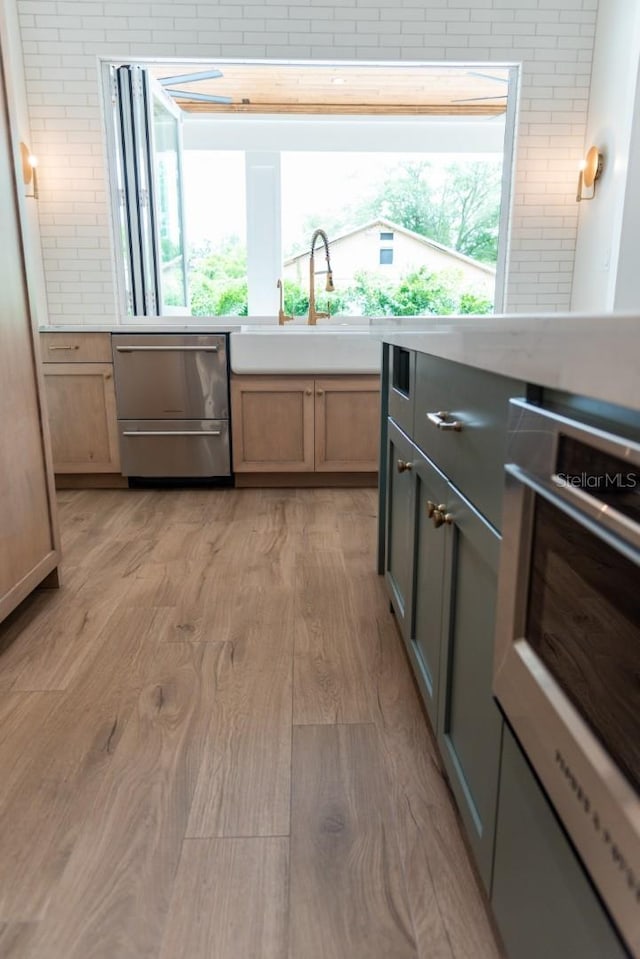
{"points": [[390, 226]]}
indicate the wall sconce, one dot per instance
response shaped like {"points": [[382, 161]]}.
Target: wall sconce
{"points": [[590, 170], [29, 174]]}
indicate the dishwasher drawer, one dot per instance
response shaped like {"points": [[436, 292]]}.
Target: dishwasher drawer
{"points": [[180, 448], [171, 376]]}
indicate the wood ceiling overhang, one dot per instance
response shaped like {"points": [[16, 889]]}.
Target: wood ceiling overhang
{"points": [[391, 90]]}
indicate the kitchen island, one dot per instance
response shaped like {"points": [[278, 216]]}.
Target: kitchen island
{"points": [[446, 396]]}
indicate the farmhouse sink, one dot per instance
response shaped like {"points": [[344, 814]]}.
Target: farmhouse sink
{"points": [[335, 348]]}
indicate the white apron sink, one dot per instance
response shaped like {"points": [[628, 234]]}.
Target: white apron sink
{"points": [[305, 349]]}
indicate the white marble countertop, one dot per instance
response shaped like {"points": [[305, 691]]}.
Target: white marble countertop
{"points": [[592, 355]]}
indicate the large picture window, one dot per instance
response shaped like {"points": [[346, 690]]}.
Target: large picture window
{"points": [[213, 210]]}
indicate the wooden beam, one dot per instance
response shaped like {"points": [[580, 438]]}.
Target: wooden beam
{"points": [[346, 109]]}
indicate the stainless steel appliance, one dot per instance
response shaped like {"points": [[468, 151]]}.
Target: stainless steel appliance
{"points": [[567, 656], [173, 404]]}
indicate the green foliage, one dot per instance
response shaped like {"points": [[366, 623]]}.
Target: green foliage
{"points": [[218, 280], [417, 294], [470, 303], [296, 299], [462, 212]]}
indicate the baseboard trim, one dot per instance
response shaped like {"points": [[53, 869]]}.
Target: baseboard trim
{"points": [[91, 481], [306, 480]]}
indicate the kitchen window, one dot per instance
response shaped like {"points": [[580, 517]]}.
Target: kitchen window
{"points": [[210, 210]]}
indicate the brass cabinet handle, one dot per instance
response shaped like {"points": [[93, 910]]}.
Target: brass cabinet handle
{"points": [[319, 392], [308, 392], [403, 466], [433, 508], [65, 348], [444, 422], [439, 517]]}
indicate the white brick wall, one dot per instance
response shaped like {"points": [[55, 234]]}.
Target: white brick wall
{"points": [[62, 39]]}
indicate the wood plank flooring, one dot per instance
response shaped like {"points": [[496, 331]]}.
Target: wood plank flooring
{"points": [[211, 746]]}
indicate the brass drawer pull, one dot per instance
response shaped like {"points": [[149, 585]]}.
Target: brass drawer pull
{"points": [[433, 508], [443, 422], [65, 348], [440, 516], [403, 466]]}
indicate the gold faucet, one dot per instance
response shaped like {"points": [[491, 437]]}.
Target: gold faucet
{"points": [[314, 315], [282, 316]]}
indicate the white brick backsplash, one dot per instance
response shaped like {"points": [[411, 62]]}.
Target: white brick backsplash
{"points": [[63, 39]]}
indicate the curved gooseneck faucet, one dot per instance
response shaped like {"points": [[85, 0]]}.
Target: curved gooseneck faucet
{"points": [[314, 315]]}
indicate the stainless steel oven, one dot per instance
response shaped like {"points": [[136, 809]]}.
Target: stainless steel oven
{"points": [[567, 656]]}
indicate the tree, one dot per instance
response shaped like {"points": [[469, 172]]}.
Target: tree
{"points": [[218, 279], [460, 209], [418, 294]]}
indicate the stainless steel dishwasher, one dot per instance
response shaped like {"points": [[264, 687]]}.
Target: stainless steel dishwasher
{"points": [[172, 395]]}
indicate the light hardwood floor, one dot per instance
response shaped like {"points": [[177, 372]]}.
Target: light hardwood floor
{"points": [[211, 746]]}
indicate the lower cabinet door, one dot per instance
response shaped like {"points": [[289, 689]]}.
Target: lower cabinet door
{"points": [[400, 524], [272, 424], [81, 402], [432, 558], [543, 902], [469, 722], [347, 424]]}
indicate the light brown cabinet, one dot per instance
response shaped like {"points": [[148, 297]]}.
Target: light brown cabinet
{"points": [[29, 546], [78, 377], [289, 424], [82, 416]]}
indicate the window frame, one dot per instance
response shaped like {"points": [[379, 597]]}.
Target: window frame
{"points": [[261, 302]]}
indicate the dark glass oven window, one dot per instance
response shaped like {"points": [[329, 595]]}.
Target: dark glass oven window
{"points": [[584, 623]]}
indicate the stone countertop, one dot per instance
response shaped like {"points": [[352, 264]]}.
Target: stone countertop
{"points": [[209, 326], [595, 355]]}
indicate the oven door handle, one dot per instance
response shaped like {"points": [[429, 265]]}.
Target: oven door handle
{"points": [[620, 532]]}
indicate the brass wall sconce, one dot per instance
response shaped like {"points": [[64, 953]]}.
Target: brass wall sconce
{"points": [[590, 170], [29, 174]]}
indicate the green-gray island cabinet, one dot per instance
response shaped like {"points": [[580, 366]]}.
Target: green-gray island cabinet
{"points": [[441, 563], [444, 430]]}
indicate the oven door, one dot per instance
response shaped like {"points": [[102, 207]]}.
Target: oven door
{"points": [[567, 657]]}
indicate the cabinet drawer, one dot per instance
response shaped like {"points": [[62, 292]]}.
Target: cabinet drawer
{"points": [[402, 380], [75, 347], [167, 448], [468, 443], [542, 899]]}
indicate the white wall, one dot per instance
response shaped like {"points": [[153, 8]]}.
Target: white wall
{"points": [[17, 100], [62, 40], [612, 106], [627, 294]]}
